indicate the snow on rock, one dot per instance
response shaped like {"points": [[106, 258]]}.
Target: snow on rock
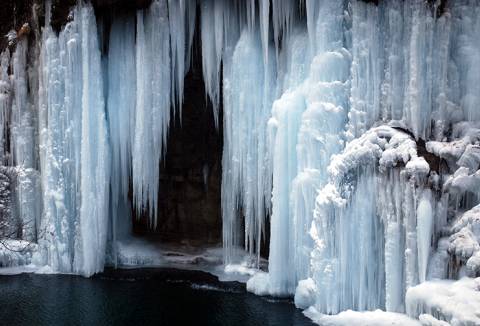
{"points": [[454, 302], [305, 293], [384, 144], [462, 150], [14, 253], [429, 320], [259, 284], [6, 202], [387, 217], [465, 240], [361, 318]]}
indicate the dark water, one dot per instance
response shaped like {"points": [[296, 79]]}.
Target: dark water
{"points": [[137, 297]]}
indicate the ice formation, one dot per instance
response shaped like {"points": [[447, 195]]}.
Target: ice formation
{"points": [[453, 302], [353, 128], [74, 148]]}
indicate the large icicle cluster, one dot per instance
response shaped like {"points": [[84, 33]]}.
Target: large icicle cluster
{"points": [[382, 210], [148, 58], [389, 232], [246, 170]]}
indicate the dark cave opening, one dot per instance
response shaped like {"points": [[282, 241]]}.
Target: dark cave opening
{"points": [[189, 208], [189, 203]]}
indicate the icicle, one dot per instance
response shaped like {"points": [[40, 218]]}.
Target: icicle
{"points": [[464, 83], [191, 14], [212, 33], [264, 13], [251, 12], [22, 129], [5, 100], [245, 166], [121, 115], [366, 75], [283, 12], [152, 116], [177, 19], [424, 232]]}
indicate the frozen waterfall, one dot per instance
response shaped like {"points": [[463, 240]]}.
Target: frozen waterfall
{"points": [[351, 142]]}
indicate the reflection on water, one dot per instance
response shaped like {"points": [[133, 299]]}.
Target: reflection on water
{"points": [[137, 297]]}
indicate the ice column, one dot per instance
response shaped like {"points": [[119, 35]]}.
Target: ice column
{"points": [[308, 122], [5, 99], [246, 170], [121, 117], [74, 153], [153, 101]]}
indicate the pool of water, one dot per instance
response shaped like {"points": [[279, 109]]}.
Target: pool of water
{"points": [[138, 297]]}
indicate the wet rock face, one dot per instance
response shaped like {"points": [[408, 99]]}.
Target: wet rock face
{"points": [[13, 14], [5, 198], [131, 4]]}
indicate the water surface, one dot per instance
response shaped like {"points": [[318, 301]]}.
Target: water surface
{"points": [[138, 297]]}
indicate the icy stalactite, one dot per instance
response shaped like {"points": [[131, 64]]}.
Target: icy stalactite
{"points": [[424, 232], [366, 70], [212, 34], [393, 77], [466, 24], [22, 144], [283, 15], [264, 20], [177, 19], [152, 115], [190, 18], [121, 116], [246, 173], [181, 16], [5, 99]]}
